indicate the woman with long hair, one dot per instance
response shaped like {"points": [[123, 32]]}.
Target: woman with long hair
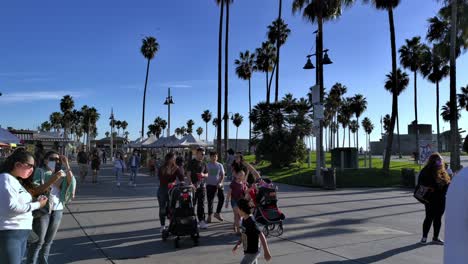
{"points": [[237, 191], [46, 224], [434, 177], [16, 206], [168, 173]]}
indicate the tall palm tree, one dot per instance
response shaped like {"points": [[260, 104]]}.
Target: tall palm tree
{"points": [[354, 127], [358, 106], [66, 105], [403, 81], [368, 128], [463, 98], [389, 5], [411, 57], [56, 120], [206, 117], [199, 131], [45, 126], [163, 125], [190, 125], [237, 120], [183, 130], [215, 124], [344, 116], [178, 131], [435, 69], [148, 49], [245, 66], [118, 124], [226, 79], [278, 32], [124, 126], [447, 113], [220, 88], [265, 56]]}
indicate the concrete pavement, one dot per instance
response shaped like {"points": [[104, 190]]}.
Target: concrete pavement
{"points": [[109, 225]]}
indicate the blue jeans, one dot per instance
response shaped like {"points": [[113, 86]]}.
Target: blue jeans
{"points": [[118, 174], [46, 228], [133, 174], [13, 245]]}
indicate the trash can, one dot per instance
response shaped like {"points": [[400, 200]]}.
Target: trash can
{"points": [[329, 178], [407, 177]]}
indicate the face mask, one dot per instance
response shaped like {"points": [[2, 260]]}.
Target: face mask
{"points": [[51, 165]]}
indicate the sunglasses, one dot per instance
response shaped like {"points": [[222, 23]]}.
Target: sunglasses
{"points": [[27, 165], [54, 159]]}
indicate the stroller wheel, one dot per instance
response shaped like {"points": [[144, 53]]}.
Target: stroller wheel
{"points": [[280, 229], [271, 227], [177, 242], [265, 231]]}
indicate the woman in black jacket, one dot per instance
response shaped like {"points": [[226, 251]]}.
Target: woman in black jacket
{"points": [[434, 176]]}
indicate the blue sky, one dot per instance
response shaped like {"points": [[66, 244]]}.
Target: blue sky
{"points": [[90, 49]]}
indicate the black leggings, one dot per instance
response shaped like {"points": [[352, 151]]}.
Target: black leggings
{"points": [[211, 190], [434, 212], [199, 202]]}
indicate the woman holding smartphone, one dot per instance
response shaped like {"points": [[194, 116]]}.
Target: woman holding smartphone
{"points": [[47, 224]]}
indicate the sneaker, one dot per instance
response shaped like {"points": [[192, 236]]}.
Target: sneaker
{"points": [[219, 217], [130, 183], [423, 241], [163, 228], [203, 225], [118, 185], [437, 241], [134, 185], [209, 219]]}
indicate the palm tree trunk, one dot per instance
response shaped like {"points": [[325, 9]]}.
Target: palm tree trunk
{"points": [[337, 132], [439, 144], [206, 133], [357, 134], [455, 136], [226, 79], [354, 138], [416, 113], [344, 136], [267, 90], [250, 122], [349, 137], [220, 91], [278, 45], [388, 149], [144, 100], [237, 133], [398, 132]]}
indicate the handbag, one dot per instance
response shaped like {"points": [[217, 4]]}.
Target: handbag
{"points": [[422, 194]]}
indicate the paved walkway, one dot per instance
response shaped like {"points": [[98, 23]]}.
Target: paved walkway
{"points": [[108, 225]]}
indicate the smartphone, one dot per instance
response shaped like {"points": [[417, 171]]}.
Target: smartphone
{"points": [[58, 167]]}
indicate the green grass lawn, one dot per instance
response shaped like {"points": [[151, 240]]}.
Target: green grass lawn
{"points": [[301, 173]]}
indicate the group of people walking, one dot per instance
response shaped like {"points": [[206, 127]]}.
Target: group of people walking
{"points": [[32, 200]]}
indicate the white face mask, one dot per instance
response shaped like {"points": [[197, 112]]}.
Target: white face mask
{"points": [[51, 165]]}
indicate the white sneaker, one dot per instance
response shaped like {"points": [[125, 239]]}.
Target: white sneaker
{"points": [[203, 225], [118, 184], [163, 228]]}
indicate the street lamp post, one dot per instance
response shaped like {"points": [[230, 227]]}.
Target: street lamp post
{"points": [[321, 60], [112, 135], [168, 102]]}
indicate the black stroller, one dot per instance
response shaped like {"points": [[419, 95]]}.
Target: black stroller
{"points": [[266, 210], [181, 215]]}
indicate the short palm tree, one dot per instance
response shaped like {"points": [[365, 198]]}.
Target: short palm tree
{"points": [[265, 56], [56, 120], [245, 66], [107, 134], [148, 49], [66, 105], [177, 131], [183, 131], [386, 124], [354, 127], [206, 117], [163, 124], [403, 81], [389, 5], [237, 120], [358, 106], [118, 124], [368, 128], [124, 126], [435, 69], [278, 32], [199, 131], [45, 126], [463, 98], [215, 123], [411, 57], [190, 125]]}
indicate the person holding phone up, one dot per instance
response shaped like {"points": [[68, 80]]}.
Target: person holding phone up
{"points": [[46, 224]]}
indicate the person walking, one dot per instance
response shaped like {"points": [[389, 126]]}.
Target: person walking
{"points": [[47, 224], [436, 179], [16, 206], [83, 163], [251, 236], [230, 159], [215, 185], [196, 174], [119, 168], [95, 165], [168, 173], [456, 228], [104, 157], [134, 164], [237, 190]]}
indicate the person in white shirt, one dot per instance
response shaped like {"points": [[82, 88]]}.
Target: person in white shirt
{"points": [[16, 205], [456, 219], [119, 167]]}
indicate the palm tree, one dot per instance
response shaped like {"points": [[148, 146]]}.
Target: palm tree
{"points": [[411, 57], [389, 5], [344, 116], [226, 79], [220, 88], [354, 127], [435, 69], [206, 116], [56, 120], [447, 113], [124, 126], [126, 135], [403, 81], [148, 49], [463, 98], [183, 131], [107, 134], [215, 124], [278, 32], [66, 105], [190, 125], [199, 131], [177, 131], [358, 106], [368, 128], [45, 126], [386, 124], [118, 124], [265, 57], [244, 69], [237, 120]]}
